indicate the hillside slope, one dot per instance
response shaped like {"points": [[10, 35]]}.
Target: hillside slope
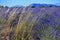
{"points": [[30, 23]]}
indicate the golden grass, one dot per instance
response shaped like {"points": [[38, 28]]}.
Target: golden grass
{"points": [[24, 28]]}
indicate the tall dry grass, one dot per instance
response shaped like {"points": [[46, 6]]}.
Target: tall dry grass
{"points": [[22, 31]]}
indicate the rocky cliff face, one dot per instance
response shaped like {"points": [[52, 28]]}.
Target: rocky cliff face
{"points": [[45, 21]]}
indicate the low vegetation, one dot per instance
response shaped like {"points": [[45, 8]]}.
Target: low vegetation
{"points": [[30, 26]]}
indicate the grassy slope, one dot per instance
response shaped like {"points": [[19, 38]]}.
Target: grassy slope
{"points": [[32, 25]]}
